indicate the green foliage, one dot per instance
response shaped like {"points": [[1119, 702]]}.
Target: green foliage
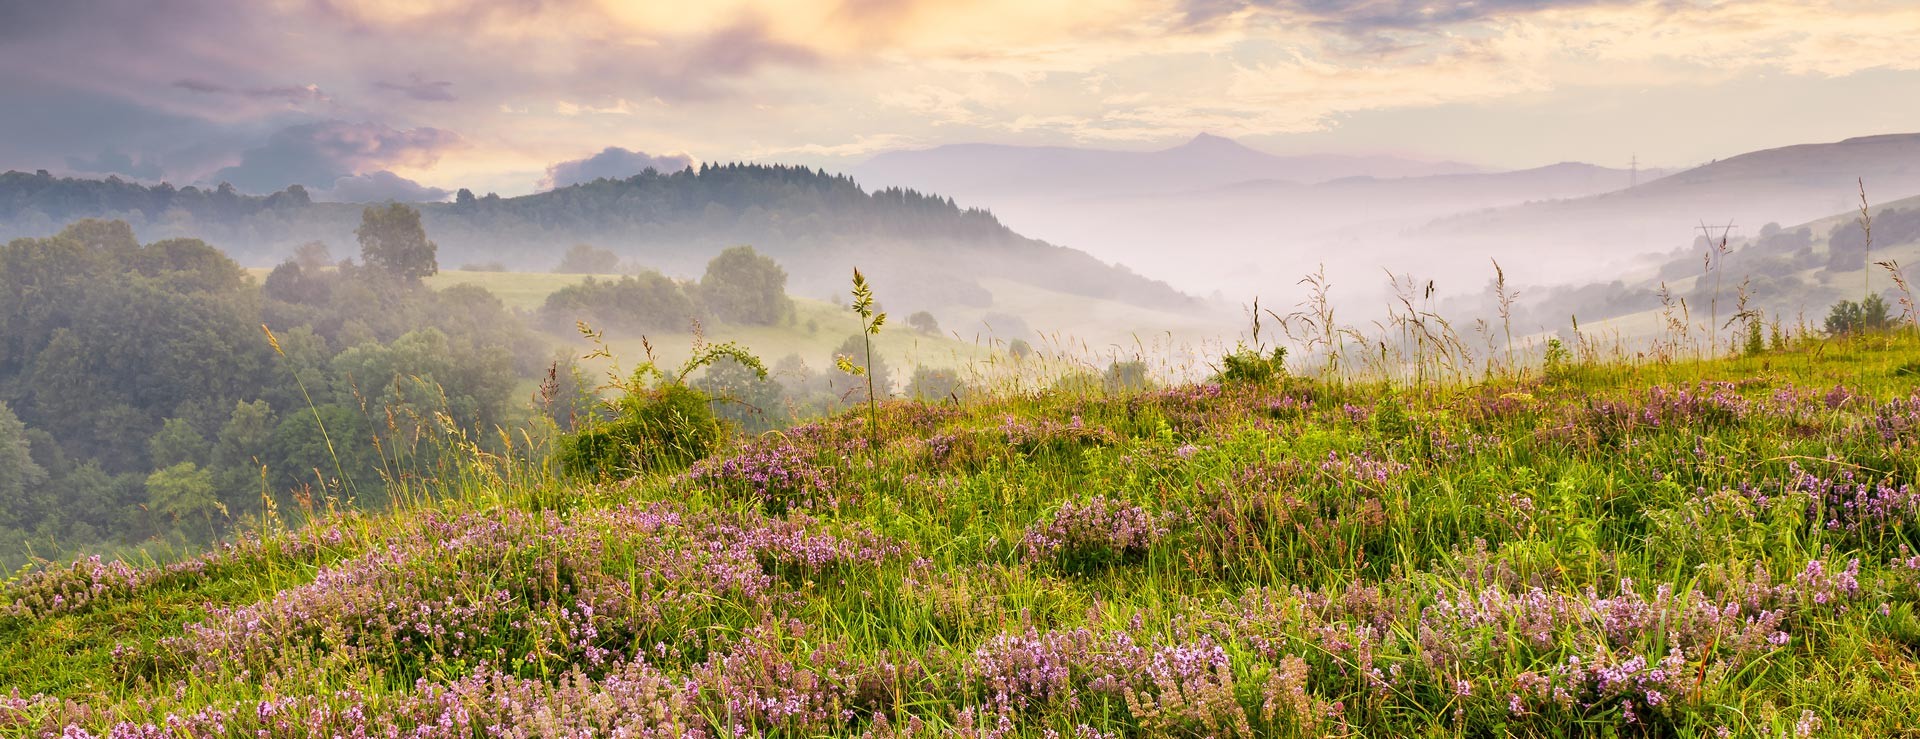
{"points": [[658, 423], [392, 241], [744, 287], [1246, 365], [176, 442], [183, 493], [648, 301], [1848, 317], [745, 396], [852, 365], [18, 472], [871, 319], [124, 360], [661, 428], [587, 259], [1557, 359], [312, 255]]}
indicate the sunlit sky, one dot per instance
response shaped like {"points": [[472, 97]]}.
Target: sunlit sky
{"points": [[493, 96]]}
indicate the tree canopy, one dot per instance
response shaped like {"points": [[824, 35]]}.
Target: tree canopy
{"points": [[392, 240], [742, 286]]}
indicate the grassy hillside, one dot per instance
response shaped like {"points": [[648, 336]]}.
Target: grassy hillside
{"points": [[1669, 550]]}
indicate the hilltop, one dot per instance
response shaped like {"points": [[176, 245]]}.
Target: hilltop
{"points": [[1675, 549]]}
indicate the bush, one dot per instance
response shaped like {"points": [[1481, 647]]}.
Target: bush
{"points": [[662, 423], [668, 427], [1848, 317], [1246, 365]]}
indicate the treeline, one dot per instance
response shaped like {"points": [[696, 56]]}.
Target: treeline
{"points": [[142, 399], [43, 200], [932, 250]]}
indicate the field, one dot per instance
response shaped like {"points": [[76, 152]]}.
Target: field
{"points": [[1691, 549]]}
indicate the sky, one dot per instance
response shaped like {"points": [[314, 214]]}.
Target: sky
{"points": [[369, 99]]}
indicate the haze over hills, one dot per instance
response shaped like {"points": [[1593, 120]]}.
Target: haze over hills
{"points": [[1207, 216], [1214, 214], [1259, 235], [985, 173]]}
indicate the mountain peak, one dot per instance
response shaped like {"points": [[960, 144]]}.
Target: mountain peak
{"points": [[1205, 140]]}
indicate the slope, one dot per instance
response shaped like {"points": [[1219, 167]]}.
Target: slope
{"points": [[1540, 556]]}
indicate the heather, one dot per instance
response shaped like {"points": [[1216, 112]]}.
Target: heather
{"points": [[1721, 547]]}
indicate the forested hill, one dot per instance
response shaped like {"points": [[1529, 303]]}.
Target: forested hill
{"points": [[817, 224]]}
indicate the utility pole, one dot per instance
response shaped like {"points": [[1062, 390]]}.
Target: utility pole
{"points": [[1726, 232], [1633, 179]]}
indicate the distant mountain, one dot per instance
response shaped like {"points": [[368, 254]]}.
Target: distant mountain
{"points": [[923, 250], [987, 174], [1790, 184]]}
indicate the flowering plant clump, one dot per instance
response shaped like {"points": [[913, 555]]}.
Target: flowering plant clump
{"points": [[1897, 422], [777, 476], [93, 582], [528, 594], [1093, 532]]}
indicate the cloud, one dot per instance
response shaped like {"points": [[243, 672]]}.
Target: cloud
{"points": [[431, 91], [612, 162], [619, 106], [111, 161], [1364, 16], [815, 80], [287, 93], [379, 187], [326, 151], [860, 146]]}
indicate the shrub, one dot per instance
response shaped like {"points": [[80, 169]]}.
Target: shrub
{"points": [[658, 428], [1848, 317], [1093, 533], [661, 423], [1246, 365]]}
